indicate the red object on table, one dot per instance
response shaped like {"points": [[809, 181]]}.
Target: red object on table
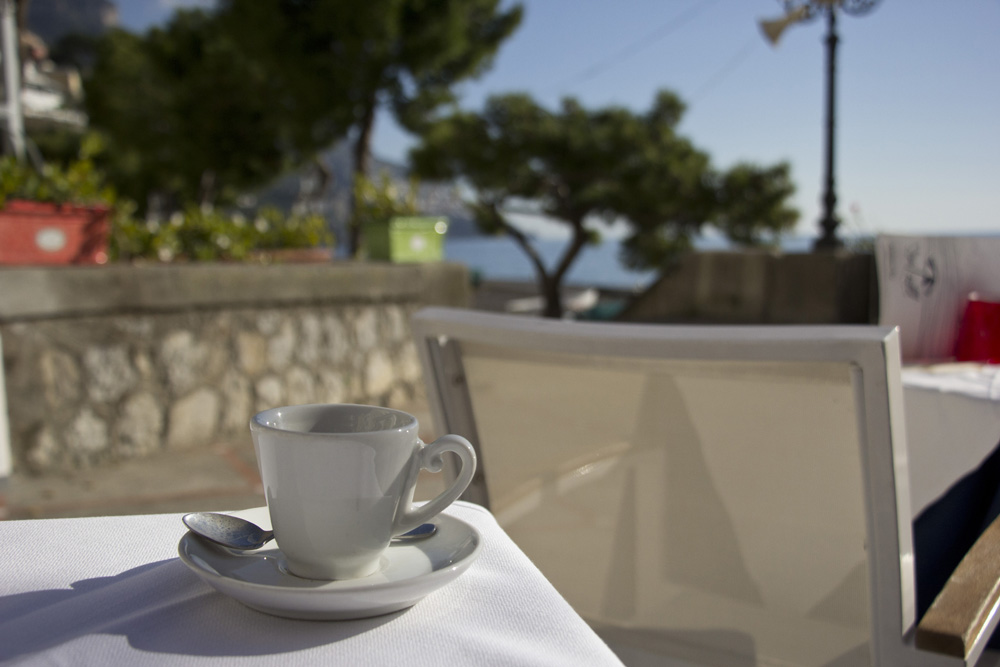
{"points": [[979, 332], [34, 232]]}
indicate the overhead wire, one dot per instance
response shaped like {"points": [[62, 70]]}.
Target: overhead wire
{"points": [[730, 66], [641, 44], [661, 32]]}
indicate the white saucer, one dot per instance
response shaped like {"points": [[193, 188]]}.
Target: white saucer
{"points": [[409, 572]]}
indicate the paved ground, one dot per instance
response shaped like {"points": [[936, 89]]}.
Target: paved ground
{"points": [[221, 477]]}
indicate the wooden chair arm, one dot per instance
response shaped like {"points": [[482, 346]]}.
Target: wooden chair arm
{"points": [[967, 603]]}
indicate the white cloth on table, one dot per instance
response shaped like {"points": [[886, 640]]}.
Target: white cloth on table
{"points": [[111, 591], [952, 424], [971, 379]]}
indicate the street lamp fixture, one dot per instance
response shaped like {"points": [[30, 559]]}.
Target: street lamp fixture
{"points": [[802, 11]]}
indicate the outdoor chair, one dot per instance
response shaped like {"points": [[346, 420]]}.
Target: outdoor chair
{"points": [[6, 457], [729, 495]]}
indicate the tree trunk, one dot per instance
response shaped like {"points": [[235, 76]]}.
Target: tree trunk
{"points": [[206, 189], [552, 293], [362, 154], [552, 283], [548, 283]]}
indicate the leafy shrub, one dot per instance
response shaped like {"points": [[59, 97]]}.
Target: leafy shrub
{"points": [[196, 234], [207, 234], [377, 202], [78, 183]]}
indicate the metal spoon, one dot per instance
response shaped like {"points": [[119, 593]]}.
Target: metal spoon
{"points": [[236, 533]]}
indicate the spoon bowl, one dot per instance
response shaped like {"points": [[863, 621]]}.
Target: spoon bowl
{"points": [[228, 531], [236, 533]]}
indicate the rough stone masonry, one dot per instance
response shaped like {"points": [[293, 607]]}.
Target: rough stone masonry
{"points": [[97, 381]]}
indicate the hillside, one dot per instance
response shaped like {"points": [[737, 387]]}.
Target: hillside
{"points": [[53, 19], [296, 190]]}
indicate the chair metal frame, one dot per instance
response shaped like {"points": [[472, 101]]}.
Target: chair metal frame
{"points": [[874, 358], [6, 456]]}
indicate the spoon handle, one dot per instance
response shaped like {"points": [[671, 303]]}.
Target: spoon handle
{"points": [[421, 532]]}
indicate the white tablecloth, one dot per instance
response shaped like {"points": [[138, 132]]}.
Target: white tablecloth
{"points": [[952, 424], [111, 591]]}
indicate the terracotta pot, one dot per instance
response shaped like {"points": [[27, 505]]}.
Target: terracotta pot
{"points": [[33, 232]]}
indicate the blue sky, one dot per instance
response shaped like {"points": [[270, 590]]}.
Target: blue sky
{"points": [[918, 106]]}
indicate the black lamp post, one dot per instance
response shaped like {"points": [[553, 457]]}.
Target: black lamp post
{"points": [[806, 10]]}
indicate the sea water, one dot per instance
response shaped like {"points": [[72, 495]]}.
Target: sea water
{"points": [[500, 258]]}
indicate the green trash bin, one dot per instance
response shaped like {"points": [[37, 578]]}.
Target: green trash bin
{"points": [[407, 239]]}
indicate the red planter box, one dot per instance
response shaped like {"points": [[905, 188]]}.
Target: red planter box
{"points": [[34, 232]]}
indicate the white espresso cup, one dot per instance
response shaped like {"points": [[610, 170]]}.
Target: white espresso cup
{"points": [[339, 482]]}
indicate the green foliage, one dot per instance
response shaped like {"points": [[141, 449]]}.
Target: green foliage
{"points": [[582, 167], [218, 102], [197, 234], [339, 62], [78, 183], [752, 204], [207, 234], [188, 112], [378, 202], [660, 247], [58, 144], [748, 203], [574, 165]]}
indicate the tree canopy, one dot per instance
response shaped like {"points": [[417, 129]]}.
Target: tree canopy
{"points": [[186, 114], [583, 168], [218, 102], [342, 61]]}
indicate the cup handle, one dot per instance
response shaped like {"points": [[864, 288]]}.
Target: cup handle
{"points": [[429, 458]]}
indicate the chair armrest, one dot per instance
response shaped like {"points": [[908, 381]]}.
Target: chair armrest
{"points": [[966, 606]]}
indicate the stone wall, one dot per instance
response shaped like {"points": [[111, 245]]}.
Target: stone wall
{"points": [[110, 363], [762, 288]]}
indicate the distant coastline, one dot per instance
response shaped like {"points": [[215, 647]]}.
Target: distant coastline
{"points": [[500, 259]]}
